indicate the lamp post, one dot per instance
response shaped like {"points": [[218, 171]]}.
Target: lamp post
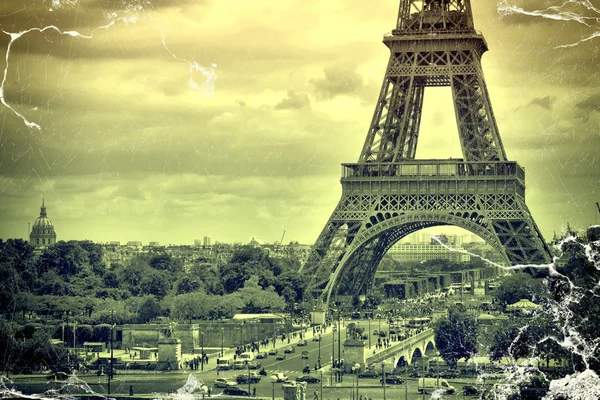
{"points": [[110, 370], [369, 333], [248, 366], [202, 352], [273, 390], [319, 358], [383, 378], [222, 333], [339, 348]]}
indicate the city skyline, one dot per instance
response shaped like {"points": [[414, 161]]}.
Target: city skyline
{"points": [[135, 145]]}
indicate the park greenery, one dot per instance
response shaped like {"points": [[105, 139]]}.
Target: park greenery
{"points": [[72, 278], [565, 331], [40, 293]]}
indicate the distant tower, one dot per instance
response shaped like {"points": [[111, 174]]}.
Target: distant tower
{"points": [[42, 234]]}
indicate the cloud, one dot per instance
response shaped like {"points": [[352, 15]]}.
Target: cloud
{"points": [[545, 102], [338, 81], [293, 101], [592, 103]]}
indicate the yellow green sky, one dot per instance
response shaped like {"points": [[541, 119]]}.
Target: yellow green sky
{"points": [[129, 150]]}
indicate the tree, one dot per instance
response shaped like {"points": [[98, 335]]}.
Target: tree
{"points": [[257, 300], [519, 286], [456, 336], [165, 262], [156, 283], [187, 284], [148, 309]]}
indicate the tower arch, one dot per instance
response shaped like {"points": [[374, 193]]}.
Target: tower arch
{"points": [[388, 193]]}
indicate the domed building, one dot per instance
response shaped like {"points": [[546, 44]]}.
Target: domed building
{"points": [[42, 233]]}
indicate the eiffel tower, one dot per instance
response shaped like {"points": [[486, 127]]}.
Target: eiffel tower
{"points": [[388, 194]]}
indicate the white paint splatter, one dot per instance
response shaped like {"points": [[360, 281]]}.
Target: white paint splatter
{"points": [[14, 36], [210, 76], [568, 11]]}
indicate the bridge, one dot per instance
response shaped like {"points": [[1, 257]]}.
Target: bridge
{"points": [[407, 350]]}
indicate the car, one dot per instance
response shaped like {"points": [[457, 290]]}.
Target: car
{"points": [[279, 377], [289, 350], [235, 391], [375, 332], [247, 379], [368, 374], [392, 379], [273, 352], [308, 379], [470, 390], [451, 374], [254, 365], [223, 383], [316, 338], [302, 343], [281, 357], [261, 355], [305, 355]]}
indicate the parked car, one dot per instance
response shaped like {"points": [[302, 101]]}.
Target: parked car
{"points": [[302, 343], [375, 332], [290, 349], [305, 355], [245, 379], [279, 377], [368, 374], [261, 355], [223, 383], [316, 338], [392, 379], [273, 352], [450, 374], [235, 391], [470, 390], [308, 379], [281, 357]]}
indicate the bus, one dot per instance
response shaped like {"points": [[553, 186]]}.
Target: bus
{"points": [[246, 357]]}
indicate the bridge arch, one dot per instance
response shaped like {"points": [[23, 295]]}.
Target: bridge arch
{"points": [[430, 348], [417, 353], [371, 242]]}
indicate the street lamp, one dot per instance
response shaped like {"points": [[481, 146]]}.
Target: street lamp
{"points": [[383, 377], [341, 377], [222, 332], [369, 332], [319, 359], [110, 370], [202, 353]]}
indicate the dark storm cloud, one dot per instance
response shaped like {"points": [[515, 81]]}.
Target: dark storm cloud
{"points": [[545, 102], [338, 80], [592, 103], [293, 101]]}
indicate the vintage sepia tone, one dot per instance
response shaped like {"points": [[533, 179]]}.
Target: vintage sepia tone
{"points": [[169, 170]]}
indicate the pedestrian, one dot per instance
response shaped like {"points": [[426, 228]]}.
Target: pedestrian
{"points": [[209, 391], [254, 391], [316, 395], [131, 390]]}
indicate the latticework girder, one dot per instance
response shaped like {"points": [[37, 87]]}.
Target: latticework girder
{"points": [[388, 195]]}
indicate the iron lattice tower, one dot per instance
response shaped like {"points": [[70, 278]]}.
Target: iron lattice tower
{"points": [[388, 194]]}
